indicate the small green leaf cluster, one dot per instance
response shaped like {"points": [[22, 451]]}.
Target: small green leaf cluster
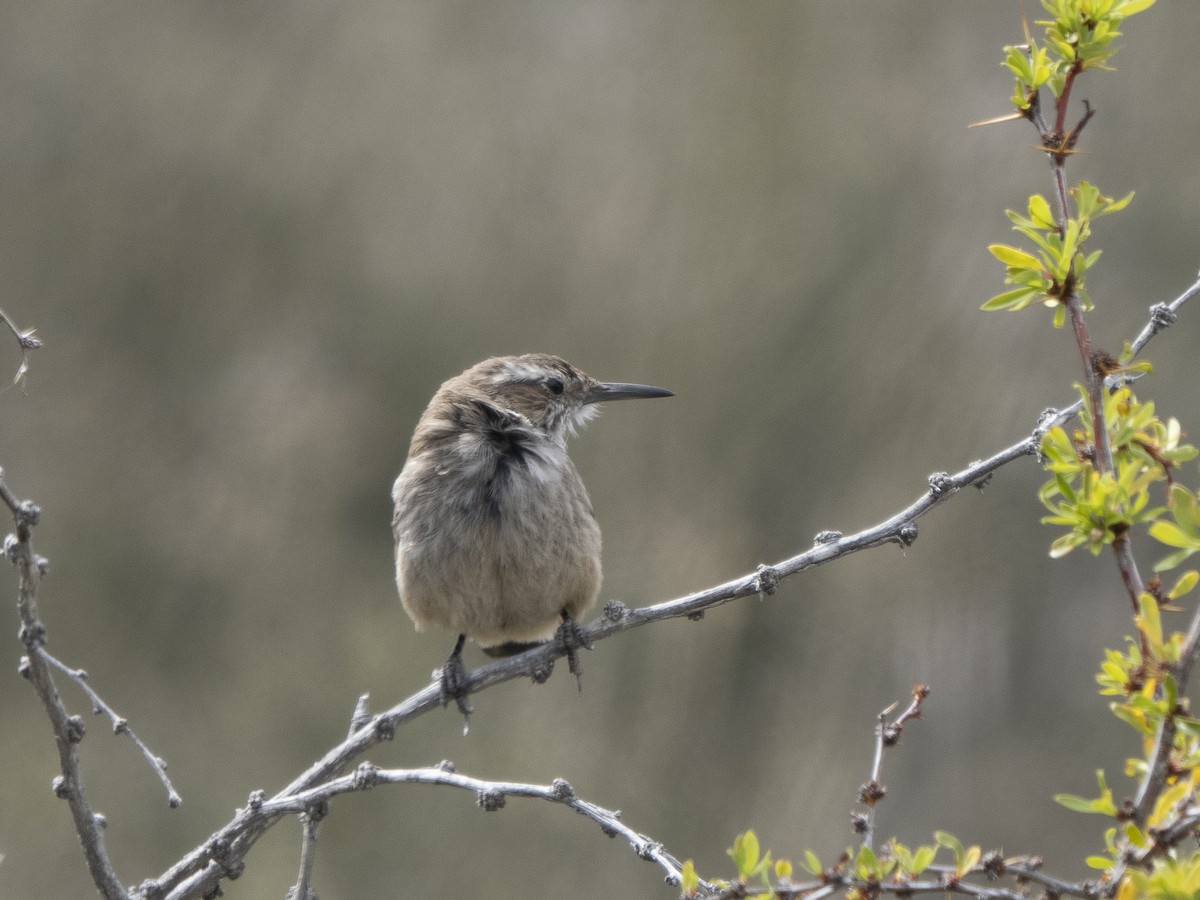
{"points": [[861, 871], [1143, 681], [1130, 839], [751, 866], [1080, 35], [1057, 268], [1144, 677], [1184, 531], [1097, 507], [965, 858], [1103, 805], [746, 859], [1168, 879]]}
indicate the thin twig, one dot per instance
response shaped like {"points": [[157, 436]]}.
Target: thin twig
{"points": [[1093, 381], [1162, 316], [120, 723], [1030, 869], [490, 796], [310, 822], [27, 342], [68, 730], [362, 713], [1182, 829], [310, 819], [887, 734]]}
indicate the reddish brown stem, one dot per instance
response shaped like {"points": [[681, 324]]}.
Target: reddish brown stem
{"points": [[1064, 101], [1093, 381]]}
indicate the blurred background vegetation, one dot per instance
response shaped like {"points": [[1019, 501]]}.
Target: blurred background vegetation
{"points": [[256, 237]]}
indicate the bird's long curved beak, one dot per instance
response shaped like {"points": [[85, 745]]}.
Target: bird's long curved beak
{"points": [[615, 390]]}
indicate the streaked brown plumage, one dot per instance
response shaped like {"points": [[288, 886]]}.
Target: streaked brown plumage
{"points": [[495, 537]]}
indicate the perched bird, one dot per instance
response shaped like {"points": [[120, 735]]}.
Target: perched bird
{"points": [[495, 536]]}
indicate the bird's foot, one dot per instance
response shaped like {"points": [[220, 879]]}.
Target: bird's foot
{"points": [[453, 678], [571, 637]]}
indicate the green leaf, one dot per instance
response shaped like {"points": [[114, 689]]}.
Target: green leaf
{"points": [[969, 859], [1134, 835], [867, 863], [1039, 212], [1048, 243], [1087, 198], [1071, 239], [812, 863], [1017, 299], [689, 881], [1086, 262], [1018, 64], [1011, 256], [1186, 582], [1170, 562], [744, 853], [1172, 535], [1099, 862], [1149, 621], [1103, 804], [923, 858], [1171, 696], [1132, 719], [1065, 544], [1074, 803], [1115, 206], [946, 839]]}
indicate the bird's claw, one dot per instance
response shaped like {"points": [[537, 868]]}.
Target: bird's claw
{"points": [[453, 679], [571, 637]]}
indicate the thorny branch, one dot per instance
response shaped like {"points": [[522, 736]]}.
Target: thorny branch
{"points": [[489, 796], [887, 734], [119, 723], [68, 730]]}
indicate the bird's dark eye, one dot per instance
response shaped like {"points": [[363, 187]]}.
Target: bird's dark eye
{"points": [[554, 385]]}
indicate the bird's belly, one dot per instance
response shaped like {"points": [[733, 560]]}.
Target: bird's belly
{"points": [[502, 570]]}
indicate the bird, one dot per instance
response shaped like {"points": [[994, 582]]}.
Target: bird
{"points": [[494, 530]]}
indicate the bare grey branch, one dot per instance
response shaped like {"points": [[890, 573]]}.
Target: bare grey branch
{"points": [[27, 342], [119, 723]]}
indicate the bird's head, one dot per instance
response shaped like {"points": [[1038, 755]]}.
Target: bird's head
{"points": [[548, 391]]}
